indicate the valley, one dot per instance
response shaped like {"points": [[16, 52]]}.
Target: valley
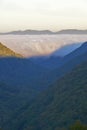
{"points": [[43, 64], [43, 91]]}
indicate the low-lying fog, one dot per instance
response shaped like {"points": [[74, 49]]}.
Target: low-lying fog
{"points": [[32, 45]]}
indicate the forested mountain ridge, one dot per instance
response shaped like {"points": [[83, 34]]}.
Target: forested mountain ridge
{"points": [[54, 62], [60, 106]]}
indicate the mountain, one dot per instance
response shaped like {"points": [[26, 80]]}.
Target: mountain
{"points": [[21, 80], [28, 72], [6, 52], [25, 72], [60, 106], [66, 49], [67, 63], [76, 57], [20, 72], [28, 32], [72, 31], [45, 32], [64, 63], [58, 57]]}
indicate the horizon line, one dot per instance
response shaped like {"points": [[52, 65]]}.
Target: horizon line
{"points": [[22, 30]]}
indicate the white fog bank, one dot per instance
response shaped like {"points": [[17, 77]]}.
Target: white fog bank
{"points": [[33, 45]]}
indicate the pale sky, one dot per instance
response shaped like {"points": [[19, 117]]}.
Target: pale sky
{"points": [[43, 14]]}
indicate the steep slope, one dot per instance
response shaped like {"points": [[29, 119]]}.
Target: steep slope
{"points": [[66, 49], [21, 72], [60, 106], [49, 62], [67, 63], [79, 51], [7, 96], [6, 52], [29, 79], [54, 62], [71, 60], [20, 82], [24, 72], [75, 57]]}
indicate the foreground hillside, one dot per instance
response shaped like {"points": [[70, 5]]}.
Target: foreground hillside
{"points": [[60, 106], [33, 76], [4, 52]]}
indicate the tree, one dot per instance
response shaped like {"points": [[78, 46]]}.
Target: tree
{"points": [[78, 126]]}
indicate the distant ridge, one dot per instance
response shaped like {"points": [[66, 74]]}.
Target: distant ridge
{"points": [[28, 32], [6, 52], [45, 32], [72, 31]]}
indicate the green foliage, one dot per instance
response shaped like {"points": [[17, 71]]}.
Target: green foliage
{"points": [[61, 105], [54, 109], [78, 126]]}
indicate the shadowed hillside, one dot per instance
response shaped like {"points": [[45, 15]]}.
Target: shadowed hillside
{"points": [[59, 106], [6, 52], [21, 80]]}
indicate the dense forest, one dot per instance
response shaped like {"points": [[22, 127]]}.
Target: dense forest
{"points": [[59, 102], [59, 106]]}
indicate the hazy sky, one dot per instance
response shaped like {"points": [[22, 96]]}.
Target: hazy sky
{"points": [[42, 14]]}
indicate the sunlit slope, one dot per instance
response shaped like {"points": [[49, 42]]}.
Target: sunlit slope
{"points": [[6, 52]]}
